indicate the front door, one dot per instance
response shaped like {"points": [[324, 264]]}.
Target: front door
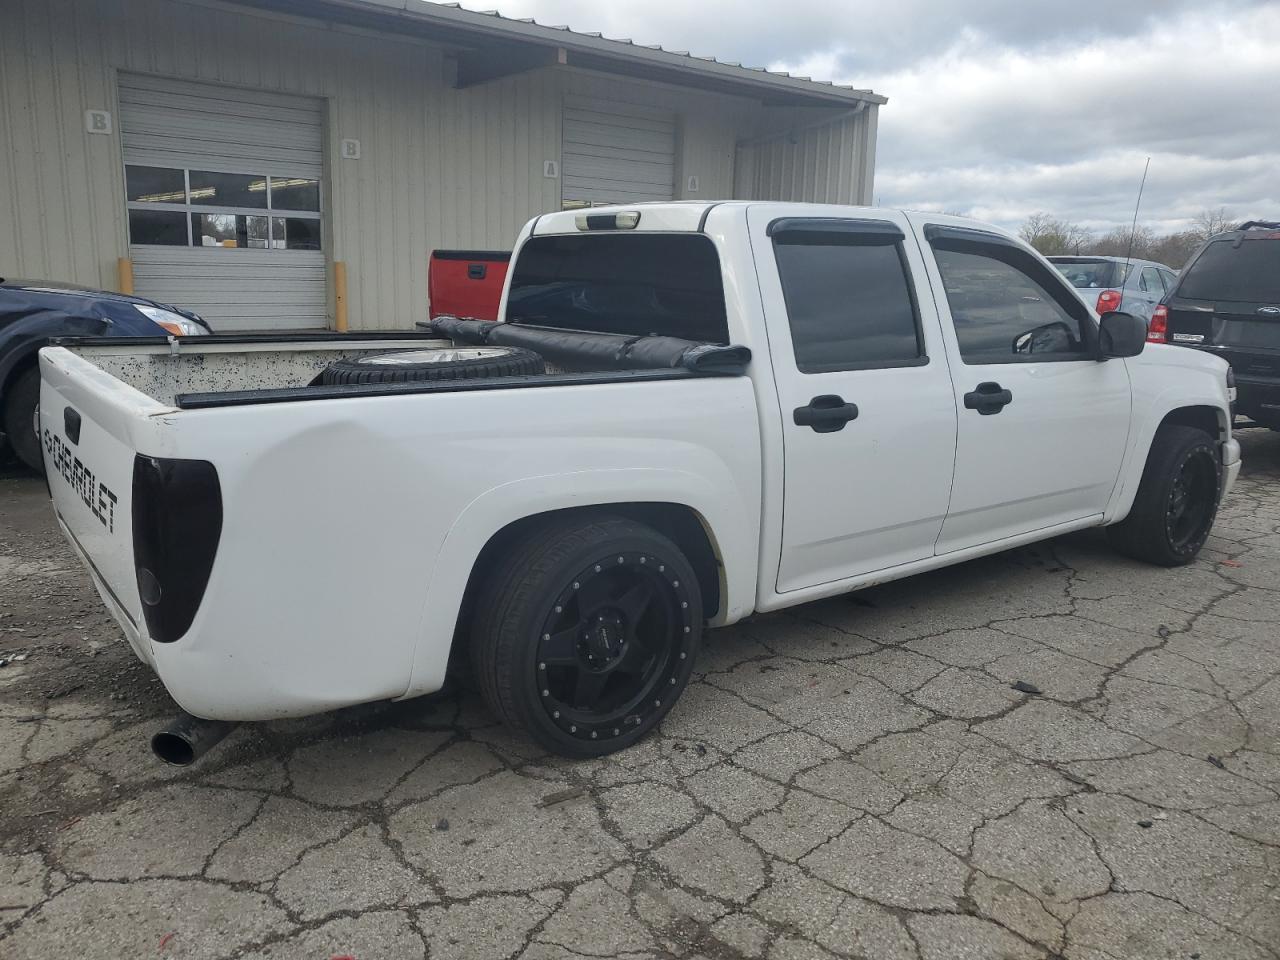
{"points": [[1042, 423], [868, 417]]}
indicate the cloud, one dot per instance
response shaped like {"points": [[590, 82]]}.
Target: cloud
{"points": [[1067, 128], [875, 35], [1006, 107]]}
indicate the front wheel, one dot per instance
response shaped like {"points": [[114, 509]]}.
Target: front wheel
{"points": [[1177, 499], [20, 405], [586, 634]]}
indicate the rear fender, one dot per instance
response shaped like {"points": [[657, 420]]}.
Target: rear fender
{"points": [[733, 529]]}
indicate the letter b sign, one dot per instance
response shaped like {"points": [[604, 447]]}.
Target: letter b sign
{"points": [[97, 121]]}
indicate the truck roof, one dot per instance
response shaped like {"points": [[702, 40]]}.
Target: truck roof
{"points": [[680, 216], [687, 216]]}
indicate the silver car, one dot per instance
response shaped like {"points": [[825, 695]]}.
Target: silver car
{"points": [[1136, 291]]}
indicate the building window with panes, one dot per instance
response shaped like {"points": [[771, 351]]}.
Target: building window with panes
{"points": [[171, 206]]}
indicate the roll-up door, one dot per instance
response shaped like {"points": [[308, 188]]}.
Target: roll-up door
{"points": [[223, 189], [616, 154]]}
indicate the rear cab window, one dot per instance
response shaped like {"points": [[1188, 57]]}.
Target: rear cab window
{"points": [[849, 296], [663, 284], [1246, 270]]}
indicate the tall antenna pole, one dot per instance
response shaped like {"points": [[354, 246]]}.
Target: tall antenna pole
{"points": [[1124, 281]]}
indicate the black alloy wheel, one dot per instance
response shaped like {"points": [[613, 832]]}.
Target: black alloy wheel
{"points": [[587, 633], [1176, 501], [1193, 500], [606, 656]]}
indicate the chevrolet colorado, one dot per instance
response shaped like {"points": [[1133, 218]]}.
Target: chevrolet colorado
{"points": [[733, 407]]}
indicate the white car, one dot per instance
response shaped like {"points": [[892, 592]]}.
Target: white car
{"points": [[690, 412]]}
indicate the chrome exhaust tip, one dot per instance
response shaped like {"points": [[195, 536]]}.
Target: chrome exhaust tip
{"points": [[188, 738]]}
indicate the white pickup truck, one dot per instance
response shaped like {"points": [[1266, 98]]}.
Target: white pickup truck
{"points": [[687, 413]]}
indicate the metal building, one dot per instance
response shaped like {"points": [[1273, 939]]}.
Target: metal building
{"points": [[278, 164]]}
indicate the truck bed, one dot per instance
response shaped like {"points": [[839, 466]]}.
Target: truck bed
{"points": [[237, 370], [167, 370]]}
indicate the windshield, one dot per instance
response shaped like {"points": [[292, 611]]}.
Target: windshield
{"points": [[663, 284], [1250, 272], [1086, 274]]}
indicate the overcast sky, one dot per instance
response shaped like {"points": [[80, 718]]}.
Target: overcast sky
{"points": [[1001, 108]]}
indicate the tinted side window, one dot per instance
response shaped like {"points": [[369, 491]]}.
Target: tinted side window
{"points": [[1005, 313], [849, 301]]}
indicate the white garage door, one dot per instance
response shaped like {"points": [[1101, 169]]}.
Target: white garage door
{"points": [[223, 188], [616, 154]]}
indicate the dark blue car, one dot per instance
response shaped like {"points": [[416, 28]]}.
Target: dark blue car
{"points": [[34, 311]]}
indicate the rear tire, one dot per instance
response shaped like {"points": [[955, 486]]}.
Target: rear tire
{"points": [[586, 634], [1177, 499], [21, 400]]}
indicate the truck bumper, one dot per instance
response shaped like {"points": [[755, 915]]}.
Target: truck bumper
{"points": [[1259, 399], [1230, 464]]}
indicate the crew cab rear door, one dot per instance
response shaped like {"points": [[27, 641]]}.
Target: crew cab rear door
{"points": [[868, 418], [1042, 423]]}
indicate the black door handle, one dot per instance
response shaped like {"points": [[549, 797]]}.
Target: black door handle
{"points": [[825, 414], [988, 398]]}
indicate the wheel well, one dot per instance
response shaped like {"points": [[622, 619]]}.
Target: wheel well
{"points": [[679, 523], [1208, 419]]}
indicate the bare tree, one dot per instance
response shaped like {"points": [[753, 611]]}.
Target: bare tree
{"points": [[1052, 236], [1208, 222], [1124, 242], [1175, 249]]}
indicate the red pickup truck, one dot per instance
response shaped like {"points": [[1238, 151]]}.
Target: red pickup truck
{"points": [[467, 283]]}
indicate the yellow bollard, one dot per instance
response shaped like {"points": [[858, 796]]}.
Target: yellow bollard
{"points": [[340, 296], [124, 275]]}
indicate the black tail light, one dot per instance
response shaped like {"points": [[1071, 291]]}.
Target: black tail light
{"points": [[177, 522]]}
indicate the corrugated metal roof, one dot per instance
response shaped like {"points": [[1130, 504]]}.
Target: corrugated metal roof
{"points": [[598, 46]]}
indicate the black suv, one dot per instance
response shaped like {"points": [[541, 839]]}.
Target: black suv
{"points": [[1227, 300]]}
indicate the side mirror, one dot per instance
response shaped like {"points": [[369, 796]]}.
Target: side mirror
{"points": [[1121, 335]]}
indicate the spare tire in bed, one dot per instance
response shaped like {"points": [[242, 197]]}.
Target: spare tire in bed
{"points": [[449, 363]]}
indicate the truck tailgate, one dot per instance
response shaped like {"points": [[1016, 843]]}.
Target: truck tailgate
{"points": [[88, 426]]}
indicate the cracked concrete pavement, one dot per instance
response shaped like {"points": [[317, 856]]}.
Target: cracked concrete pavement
{"points": [[853, 778]]}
